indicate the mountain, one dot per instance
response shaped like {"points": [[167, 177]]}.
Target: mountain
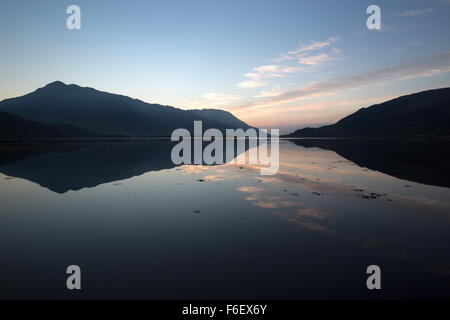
{"points": [[110, 114], [423, 113], [14, 127]]}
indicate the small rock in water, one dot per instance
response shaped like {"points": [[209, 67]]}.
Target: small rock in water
{"points": [[197, 211], [200, 180]]}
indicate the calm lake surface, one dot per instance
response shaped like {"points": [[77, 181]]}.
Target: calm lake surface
{"points": [[141, 227]]}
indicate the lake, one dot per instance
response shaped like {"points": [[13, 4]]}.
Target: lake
{"points": [[141, 227]]}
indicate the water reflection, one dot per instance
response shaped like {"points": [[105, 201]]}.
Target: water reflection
{"points": [[143, 228], [64, 166], [420, 161], [61, 167]]}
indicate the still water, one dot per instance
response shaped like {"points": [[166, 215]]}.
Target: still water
{"points": [[141, 227]]}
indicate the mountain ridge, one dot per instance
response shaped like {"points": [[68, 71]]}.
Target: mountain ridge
{"points": [[416, 114], [110, 114]]}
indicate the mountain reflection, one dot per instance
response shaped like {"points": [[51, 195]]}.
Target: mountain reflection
{"points": [[65, 166], [425, 162]]}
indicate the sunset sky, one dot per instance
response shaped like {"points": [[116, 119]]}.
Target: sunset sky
{"points": [[277, 64]]}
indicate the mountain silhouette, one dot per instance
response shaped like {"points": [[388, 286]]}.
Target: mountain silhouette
{"points": [[14, 127], [418, 114], [111, 114]]}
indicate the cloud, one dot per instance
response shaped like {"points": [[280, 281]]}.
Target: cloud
{"points": [[417, 12], [220, 96], [299, 61], [424, 68], [272, 71], [283, 57], [314, 46], [426, 73], [316, 60], [269, 93], [251, 84]]}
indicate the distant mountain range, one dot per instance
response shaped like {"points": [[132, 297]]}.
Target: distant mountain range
{"points": [[418, 114], [59, 110], [70, 111]]}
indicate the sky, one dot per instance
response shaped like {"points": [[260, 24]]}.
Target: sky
{"points": [[275, 64]]}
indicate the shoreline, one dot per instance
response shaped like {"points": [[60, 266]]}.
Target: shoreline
{"points": [[115, 139]]}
